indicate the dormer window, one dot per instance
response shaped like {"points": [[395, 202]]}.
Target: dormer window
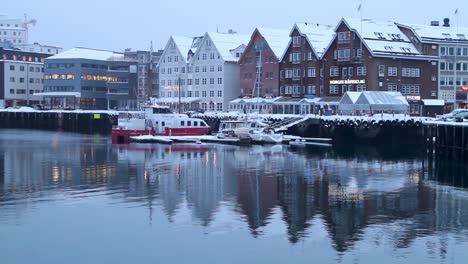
{"points": [[461, 36], [388, 48], [379, 35], [447, 35]]}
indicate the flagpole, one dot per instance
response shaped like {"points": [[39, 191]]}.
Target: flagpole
{"points": [[455, 66]]}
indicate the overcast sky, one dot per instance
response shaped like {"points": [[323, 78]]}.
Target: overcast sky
{"points": [[118, 24]]}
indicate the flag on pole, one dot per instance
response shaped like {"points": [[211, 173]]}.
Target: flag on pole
{"points": [[456, 12]]}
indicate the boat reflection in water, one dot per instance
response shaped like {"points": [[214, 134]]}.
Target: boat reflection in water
{"points": [[342, 203]]}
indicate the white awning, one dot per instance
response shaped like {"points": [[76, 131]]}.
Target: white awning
{"points": [[433, 102], [58, 94]]}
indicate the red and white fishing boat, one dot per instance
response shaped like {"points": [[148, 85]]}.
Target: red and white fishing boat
{"points": [[156, 120]]}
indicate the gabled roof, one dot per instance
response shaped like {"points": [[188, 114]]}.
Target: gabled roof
{"points": [[277, 39], [226, 42], [437, 32], [382, 98], [184, 44], [319, 36], [86, 53], [382, 38]]}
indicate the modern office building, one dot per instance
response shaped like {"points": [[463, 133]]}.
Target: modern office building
{"points": [[13, 30], [77, 78], [450, 44]]}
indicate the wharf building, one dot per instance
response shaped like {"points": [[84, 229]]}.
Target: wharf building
{"points": [[367, 55], [88, 78], [204, 71], [450, 44], [260, 63], [21, 76]]}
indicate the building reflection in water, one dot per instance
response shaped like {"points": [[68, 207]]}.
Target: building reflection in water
{"points": [[347, 193]]}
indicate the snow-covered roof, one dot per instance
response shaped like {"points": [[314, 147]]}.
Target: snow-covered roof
{"points": [[319, 36], [173, 100], [350, 97], [184, 44], [277, 39], [382, 98], [86, 53], [425, 32], [382, 38], [226, 42], [255, 100]]}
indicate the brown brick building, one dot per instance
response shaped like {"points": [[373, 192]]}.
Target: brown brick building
{"points": [[259, 65], [366, 55], [301, 64]]}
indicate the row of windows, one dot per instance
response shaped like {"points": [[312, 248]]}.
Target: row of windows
{"points": [[450, 66], [410, 72], [450, 81], [89, 77], [15, 33], [266, 59], [8, 25], [23, 68], [347, 54], [335, 89], [23, 91], [93, 89], [191, 94], [297, 57], [58, 88], [92, 66], [450, 51], [347, 71], [59, 76], [298, 90], [59, 65], [19, 57], [204, 81], [22, 80], [268, 75]]}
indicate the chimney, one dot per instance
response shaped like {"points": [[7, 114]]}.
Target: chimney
{"points": [[435, 23], [446, 22]]}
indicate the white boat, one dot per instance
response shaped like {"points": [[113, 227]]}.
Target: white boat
{"points": [[298, 142], [237, 128], [156, 120], [266, 135]]}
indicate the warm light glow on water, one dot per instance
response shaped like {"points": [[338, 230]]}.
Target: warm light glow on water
{"points": [[67, 198]]}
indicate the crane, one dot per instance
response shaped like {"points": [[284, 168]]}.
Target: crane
{"points": [[26, 24]]}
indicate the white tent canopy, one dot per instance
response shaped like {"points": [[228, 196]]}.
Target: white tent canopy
{"points": [[373, 102]]}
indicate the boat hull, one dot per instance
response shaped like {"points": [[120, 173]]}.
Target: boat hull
{"points": [[122, 136]]}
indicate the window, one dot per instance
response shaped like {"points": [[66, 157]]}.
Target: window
{"points": [[21, 68], [350, 71], [182, 123], [361, 71], [411, 72], [204, 56], [176, 70], [220, 68], [443, 51], [334, 71], [288, 73], [212, 68], [169, 59], [176, 58], [12, 67], [220, 93], [21, 80], [344, 55], [334, 89], [203, 93], [197, 81], [344, 72], [204, 69], [361, 88], [410, 89], [219, 107], [31, 80], [311, 89], [309, 56], [12, 79], [204, 81], [311, 72], [169, 70], [344, 37], [296, 41], [220, 80], [197, 69], [296, 57], [381, 70], [12, 91], [391, 87], [344, 88], [211, 80], [197, 94], [392, 71], [212, 56], [211, 93]]}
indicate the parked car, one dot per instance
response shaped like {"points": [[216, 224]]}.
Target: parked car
{"points": [[453, 113], [460, 116]]}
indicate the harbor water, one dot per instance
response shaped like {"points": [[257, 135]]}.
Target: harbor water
{"points": [[70, 198]]}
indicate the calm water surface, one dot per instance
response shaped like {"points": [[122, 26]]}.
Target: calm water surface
{"points": [[67, 198]]}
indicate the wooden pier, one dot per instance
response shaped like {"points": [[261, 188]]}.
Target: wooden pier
{"points": [[86, 122], [446, 140]]}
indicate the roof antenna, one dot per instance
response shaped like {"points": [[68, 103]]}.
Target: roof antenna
{"points": [[217, 29]]}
